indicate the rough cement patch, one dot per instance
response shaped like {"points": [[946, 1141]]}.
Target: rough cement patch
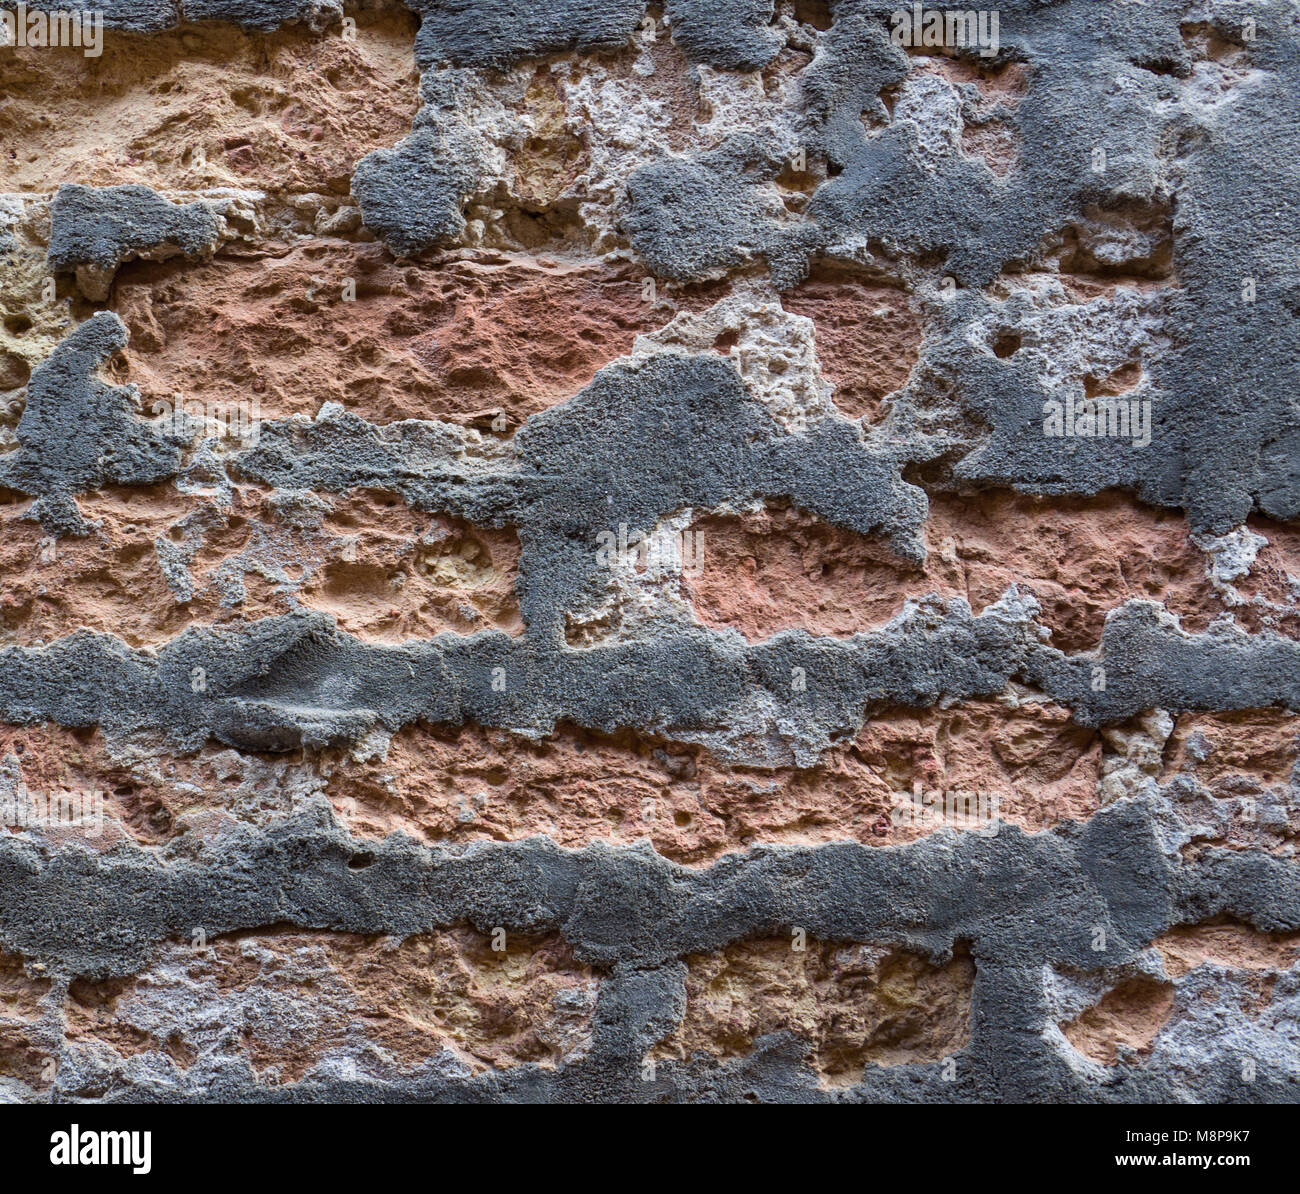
{"points": [[77, 433], [94, 231]]}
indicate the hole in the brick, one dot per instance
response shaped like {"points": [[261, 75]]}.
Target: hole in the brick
{"points": [[816, 13], [1129, 239], [1120, 381], [1206, 42], [359, 862], [1007, 344]]}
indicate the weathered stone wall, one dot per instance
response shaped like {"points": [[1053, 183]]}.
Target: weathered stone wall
{"points": [[562, 550]]}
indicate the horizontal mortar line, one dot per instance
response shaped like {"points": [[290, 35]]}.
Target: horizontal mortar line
{"points": [[603, 900], [628, 903], [208, 676]]}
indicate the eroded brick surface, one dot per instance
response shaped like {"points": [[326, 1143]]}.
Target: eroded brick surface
{"points": [[285, 111], [286, 1003], [149, 568], [778, 568], [852, 1005]]}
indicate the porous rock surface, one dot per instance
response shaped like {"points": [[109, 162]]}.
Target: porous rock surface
{"points": [[638, 641]]}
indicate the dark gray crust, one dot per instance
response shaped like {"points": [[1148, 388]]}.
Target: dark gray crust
{"points": [[76, 433], [104, 226]]}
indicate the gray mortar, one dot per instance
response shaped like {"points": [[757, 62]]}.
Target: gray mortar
{"points": [[284, 682], [132, 16], [158, 16], [265, 15], [698, 218], [500, 33], [76, 433], [733, 36], [1021, 901], [103, 227], [413, 195]]}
